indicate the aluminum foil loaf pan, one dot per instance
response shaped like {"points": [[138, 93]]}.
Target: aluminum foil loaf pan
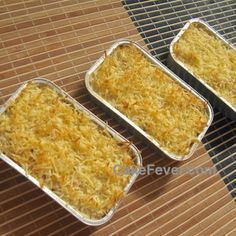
{"points": [[123, 118], [186, 67], [74, 107]]}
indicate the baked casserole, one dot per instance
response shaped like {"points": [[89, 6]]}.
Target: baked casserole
{"points": [[168, 112], [65, 150], [209, 58]]}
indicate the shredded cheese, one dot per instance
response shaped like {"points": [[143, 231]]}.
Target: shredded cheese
{"points": [[210, 59], [169, 113], [65, 150]]}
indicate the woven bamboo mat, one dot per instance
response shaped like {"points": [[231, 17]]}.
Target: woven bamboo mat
{"points": [[60, 40]]}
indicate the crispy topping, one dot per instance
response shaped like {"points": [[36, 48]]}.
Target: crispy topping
{"points": [[65, 150], [210, 59], [169, 113]]}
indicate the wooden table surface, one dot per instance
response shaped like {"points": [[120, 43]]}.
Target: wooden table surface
{"points": [[60, 40]]}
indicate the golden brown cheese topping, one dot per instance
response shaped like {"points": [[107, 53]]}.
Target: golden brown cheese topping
{"points": [[169, 113], [65, 150], [210, 59]]}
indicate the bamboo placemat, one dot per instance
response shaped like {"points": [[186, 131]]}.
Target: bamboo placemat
{"points": [[60, 40]]}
